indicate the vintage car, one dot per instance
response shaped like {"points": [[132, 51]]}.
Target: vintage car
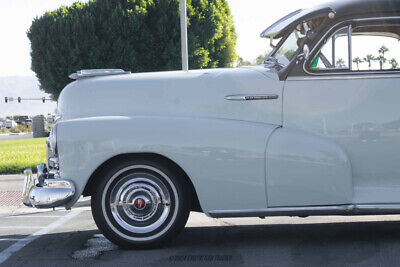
{"points": [[312, 131]]}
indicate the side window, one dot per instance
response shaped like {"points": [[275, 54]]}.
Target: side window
{"points": [[334, 54], [375, 49]]}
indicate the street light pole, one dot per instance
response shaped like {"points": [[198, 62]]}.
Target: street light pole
{"points": [[184, 42]]}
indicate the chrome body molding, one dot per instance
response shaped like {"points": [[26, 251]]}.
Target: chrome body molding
{"points": [[41, 192], [82, 74], [251, 97], [348, 76], [351, 209]]}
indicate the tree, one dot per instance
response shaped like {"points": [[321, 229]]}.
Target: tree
{"points": [[383, 50], [242, 62], [358, 60], [340, 63], [369, 58], [136, 35], [394, 63], [381, 59], [261, 58]]}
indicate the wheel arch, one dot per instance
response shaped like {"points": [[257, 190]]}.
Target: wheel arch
{"points": [[88, 190]]}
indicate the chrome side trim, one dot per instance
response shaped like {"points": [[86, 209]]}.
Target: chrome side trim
{"points": [[250, 97], [353, 76], [351, 209]]}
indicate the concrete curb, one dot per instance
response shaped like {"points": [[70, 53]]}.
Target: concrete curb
{"points": [[15, 134]]}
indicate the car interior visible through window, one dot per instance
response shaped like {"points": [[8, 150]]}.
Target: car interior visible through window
{"points": [[373, 48]]}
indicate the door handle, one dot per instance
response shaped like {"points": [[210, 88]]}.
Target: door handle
{"points": [[250, 97]]}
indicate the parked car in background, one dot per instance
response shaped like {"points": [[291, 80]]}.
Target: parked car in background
{"points": [[10, 124], [28, 122], [151, 147], [50, 118], [22, 119]]}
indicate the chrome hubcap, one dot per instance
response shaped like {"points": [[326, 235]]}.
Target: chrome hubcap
{"points": [[140, 203]]}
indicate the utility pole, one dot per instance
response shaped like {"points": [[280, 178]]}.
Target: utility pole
{"points": [[184, 41]]}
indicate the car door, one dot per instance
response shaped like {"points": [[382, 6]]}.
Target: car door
{"points": [[349, 93]]}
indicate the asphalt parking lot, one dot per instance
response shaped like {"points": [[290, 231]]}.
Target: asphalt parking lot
{"points": [[30, 237]]}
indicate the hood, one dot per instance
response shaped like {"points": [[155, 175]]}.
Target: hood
{"points": [[197, 93]]}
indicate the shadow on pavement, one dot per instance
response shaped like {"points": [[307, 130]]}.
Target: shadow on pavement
{"points": [[360, 243]]}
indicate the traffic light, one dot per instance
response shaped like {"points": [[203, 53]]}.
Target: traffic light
{"points": [[6, 99], [19, 99], [43, 99]]}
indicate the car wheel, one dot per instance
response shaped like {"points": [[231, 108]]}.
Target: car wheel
{"points": [[140, 204]]}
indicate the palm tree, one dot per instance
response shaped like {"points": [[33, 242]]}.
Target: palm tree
{"points": [[358, 60], [381, 59], [369, 58], [383, 50], [394, 63], [340, 63]]}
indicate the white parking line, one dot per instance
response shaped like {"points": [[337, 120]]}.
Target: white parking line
{"points": [[7, 253], [22, 227]]}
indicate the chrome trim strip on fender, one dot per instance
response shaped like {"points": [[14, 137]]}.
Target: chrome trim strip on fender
{"points": [[81, 74], [250, 97], [352, 209]]}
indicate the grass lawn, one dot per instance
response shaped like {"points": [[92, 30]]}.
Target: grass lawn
{"points": [[17, 155]]}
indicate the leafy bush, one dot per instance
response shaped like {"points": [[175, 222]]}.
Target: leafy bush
{"points": [[15, 130], [136, 35]]}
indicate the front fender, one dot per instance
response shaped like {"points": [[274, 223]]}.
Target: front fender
{"points": [[225, 159]]}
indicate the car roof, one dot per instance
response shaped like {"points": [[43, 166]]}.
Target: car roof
{"points": [[341, 8]]}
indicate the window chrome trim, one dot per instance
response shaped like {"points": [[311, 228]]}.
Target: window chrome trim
{"points": [[349, 44], [313, 51]]}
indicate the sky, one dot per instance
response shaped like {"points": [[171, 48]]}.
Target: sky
{"points": [[251, 17]]}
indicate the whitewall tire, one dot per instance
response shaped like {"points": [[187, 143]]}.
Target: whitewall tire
{"points": [[140, 204]]}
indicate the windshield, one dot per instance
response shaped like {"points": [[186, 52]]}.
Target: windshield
{"points": [[286, 50]]}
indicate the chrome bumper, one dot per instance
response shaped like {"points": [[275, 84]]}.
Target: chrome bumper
{"points": [[46, 190]]}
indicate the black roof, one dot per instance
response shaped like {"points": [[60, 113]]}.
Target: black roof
{"points": [[341, 8], [358, 8]]}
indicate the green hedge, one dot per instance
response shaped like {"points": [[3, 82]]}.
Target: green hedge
{"points": [[135, 35]]}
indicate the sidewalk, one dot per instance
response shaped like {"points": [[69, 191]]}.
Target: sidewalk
{"points": [[11, 194], [11, 197]]}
